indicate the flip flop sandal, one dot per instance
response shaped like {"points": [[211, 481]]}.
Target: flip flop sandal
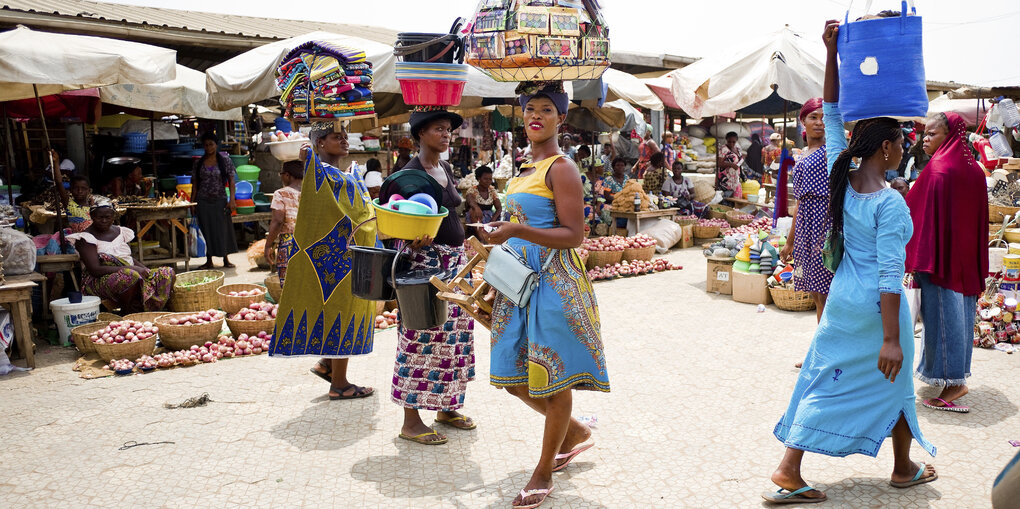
{"points": [[359, 392], [948, 406], [420, 439], [784, 496], [917, 478], [460, 418], [569, 456], [325, 375], [529, 493]]}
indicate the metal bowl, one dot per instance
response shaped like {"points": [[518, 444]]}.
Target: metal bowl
{"points": [[123, 160]]}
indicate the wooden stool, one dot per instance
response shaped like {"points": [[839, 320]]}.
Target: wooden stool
{"points": [[472, 300], [19, 296]]}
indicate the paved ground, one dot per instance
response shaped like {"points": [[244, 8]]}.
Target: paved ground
{"points": [[698, 383]]}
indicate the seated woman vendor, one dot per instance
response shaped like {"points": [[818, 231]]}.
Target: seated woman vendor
{"points": [[109, 271], [78, 203], [132, 184]]}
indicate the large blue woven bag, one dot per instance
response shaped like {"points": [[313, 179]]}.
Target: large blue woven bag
{"points": [[881, 68]]}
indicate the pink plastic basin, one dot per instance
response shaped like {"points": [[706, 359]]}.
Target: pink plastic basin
{"points": [[432, 92]]}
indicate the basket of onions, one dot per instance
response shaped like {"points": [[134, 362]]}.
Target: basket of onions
{"points": [[179, 331], [196, 290], [148, 316], [126, 339], [82, 335], [737, 218], [709, 228], [275, 288], [235, 297], [257, 317], [639, 247], [604, 251]]}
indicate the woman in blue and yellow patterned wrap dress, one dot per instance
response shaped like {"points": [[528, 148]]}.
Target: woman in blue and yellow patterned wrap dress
{"points": [[318, 316], [541, 351]]}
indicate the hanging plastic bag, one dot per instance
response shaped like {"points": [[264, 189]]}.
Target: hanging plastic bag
{"points": [[18, 251], [197, 240]]}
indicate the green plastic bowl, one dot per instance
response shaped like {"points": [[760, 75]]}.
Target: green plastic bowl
{"points": [[239, 161], [246, 210], [248, 172], [168, 184]]}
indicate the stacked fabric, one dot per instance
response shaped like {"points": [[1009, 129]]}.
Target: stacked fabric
{"points": [[320, 79]]}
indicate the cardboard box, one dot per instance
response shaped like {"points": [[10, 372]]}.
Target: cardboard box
{"points": [[718, 280], [687, 239], [750, 288]]}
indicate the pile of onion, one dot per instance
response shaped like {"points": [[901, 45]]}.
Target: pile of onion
{"points": [[387, 319], [120, 365], [255, 292], [125, 331], [256, 311], [199, 318]]}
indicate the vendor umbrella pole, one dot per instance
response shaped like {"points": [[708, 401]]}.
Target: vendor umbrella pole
{"points": [[8, 178], [55, 165]]}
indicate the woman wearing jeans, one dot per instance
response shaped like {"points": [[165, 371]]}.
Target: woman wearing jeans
{"points": [[949, 256]]}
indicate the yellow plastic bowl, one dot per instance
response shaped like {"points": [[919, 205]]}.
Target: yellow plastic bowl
{"points": [[401, 225], [1012, 234]]}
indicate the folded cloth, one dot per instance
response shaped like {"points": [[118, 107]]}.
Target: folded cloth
{"points": [[342, 53], [333, 90], [325, 69], [361, 66], [286, 67], [297, 82], [358, 80], [357, 94]]}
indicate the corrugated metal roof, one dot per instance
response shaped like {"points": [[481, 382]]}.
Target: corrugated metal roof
{"points": [[226, 24]]}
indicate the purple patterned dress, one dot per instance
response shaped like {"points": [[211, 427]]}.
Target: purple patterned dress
{"points": [[811, 188]]}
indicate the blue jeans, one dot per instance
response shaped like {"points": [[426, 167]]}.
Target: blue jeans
{"points": [[891, 174], [948, 334]]}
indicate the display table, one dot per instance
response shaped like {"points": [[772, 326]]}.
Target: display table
{"points": [[16, 294], [176, 217], [638, 216], [261, 220]]}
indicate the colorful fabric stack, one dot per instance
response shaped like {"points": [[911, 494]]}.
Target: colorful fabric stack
{"points": [[320, 79]]}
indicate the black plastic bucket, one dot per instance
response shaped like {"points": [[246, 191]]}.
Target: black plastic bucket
{"points": [[435, 48], [418, 300], [370, 272]]}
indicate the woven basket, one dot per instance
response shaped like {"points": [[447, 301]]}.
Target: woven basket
{"points": [[108, 317], [199, 297], [275, 288], [251, 327], [731, 217], [603, 258], [130, 351], [789, 299], [81, 334], [706, 232], [997, 213], [711, 213], [639, 253], [181, 337], [148, 316], [234, 304], [685, 222], [584, 258]]}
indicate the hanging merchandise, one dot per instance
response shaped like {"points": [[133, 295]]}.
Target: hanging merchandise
{"points": [[1008, 113], [431, 70], [989, 159], [1000, 143], [876, 76], [323, 80], [539, 40]]}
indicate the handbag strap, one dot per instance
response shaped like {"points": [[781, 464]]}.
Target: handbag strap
{"points": [[548, 260]]}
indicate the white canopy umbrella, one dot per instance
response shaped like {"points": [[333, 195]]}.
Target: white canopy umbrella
{"points": [[251, 76], [58, 62], [631, 89], [748, 75], [185, 95]]}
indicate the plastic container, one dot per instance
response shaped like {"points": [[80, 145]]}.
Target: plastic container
{"points": [[183, 179], [876, 77], [167, 184], [245, 202], [239, 160], [286, 150], [68, 316], [432, 92], [249, 172], [1000, 144], [184, 191], [418, 299], [136, 142], [370, 271], [419, 47], [401, 225], [410, 207], [244, 190], [1008, 113], [246, 210]]}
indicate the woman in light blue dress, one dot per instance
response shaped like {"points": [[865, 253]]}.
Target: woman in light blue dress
{"points": [[552, 345], [851, 394]]}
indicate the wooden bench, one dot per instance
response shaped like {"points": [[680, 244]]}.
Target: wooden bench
{"points": [[16, 294]]}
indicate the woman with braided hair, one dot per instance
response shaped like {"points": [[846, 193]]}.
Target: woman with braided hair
{"points": [[850, 394]]}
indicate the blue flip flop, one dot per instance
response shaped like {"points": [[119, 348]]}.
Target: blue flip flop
{"points": [[784, 496], [918, 479]]}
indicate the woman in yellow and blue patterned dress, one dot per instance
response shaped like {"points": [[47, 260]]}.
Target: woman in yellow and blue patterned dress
{"points": [[541, 351], [318, 316]]}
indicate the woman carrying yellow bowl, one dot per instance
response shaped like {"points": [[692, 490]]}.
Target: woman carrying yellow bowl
{"points": [[433, 366]]}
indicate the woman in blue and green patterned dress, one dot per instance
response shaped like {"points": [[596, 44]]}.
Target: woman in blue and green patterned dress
{"points": [[553, 345]]}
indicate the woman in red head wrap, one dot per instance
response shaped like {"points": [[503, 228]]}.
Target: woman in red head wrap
{"points": [[811, 222], [948, 255]]}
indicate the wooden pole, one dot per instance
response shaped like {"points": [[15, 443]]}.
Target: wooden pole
{"points": [[55, 165], [8, 173]]}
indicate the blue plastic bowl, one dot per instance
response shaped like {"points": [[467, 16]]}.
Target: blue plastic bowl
{"points": [[183, 179]]}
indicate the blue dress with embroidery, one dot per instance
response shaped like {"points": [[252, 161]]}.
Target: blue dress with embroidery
{"points": [[318, 315], [842, 404], [554, 343]]}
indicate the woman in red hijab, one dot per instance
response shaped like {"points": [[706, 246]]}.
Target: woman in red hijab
{"points": [[948, 255]]}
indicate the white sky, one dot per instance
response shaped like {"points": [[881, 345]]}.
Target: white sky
{"points": [[964, 41]]}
